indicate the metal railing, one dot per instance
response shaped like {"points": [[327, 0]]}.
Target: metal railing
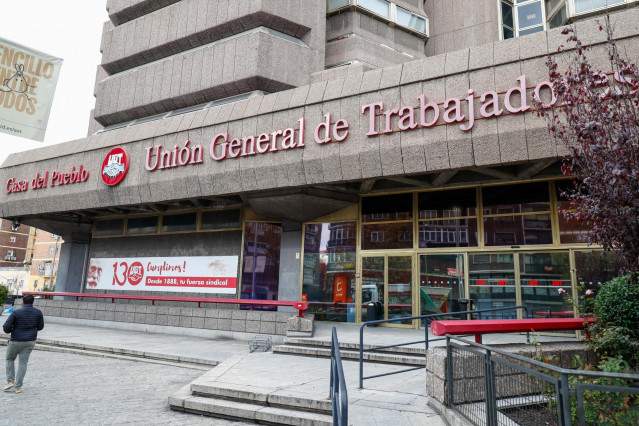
{"points": [[490, 386], [427, 319], [300, 306], [338, 392]]}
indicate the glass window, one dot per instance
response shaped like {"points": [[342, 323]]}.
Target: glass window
{"points": [[329, 270], [542, 277], [492, 285], [387, 207], [373, 284], [439, 204], [518, 230], [582, 6], [336, 4], [387, 236], [379, 7], [220, 219], [529, 15], [142, 225], [448, 233], [523, 198], [441, 283], [261, 269], [593, 269], [410, 20], [109, 227], [559, 18], [179, 222], [570, 231], [530, 30]]}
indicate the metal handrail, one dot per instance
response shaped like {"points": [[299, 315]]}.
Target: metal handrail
{"points": [[338, 385], [425, 341], [564, 392], [300, 306]]}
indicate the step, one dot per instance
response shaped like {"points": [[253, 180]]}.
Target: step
{"points": [[386, 358], [403, 350], [119, 353], [245, 410], [249, 394]]}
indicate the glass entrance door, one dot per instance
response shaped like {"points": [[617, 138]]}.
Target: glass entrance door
{"points": [[441, 283], [387, 281]]}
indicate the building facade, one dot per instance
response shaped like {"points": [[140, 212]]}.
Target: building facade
{"points": [[342, 152]]}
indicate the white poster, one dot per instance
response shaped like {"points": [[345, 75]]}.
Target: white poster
{"points": [[27, 83], [201, 274]]}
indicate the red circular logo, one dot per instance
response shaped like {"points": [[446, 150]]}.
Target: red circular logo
{"points": [[135, 273], [115, 166]]}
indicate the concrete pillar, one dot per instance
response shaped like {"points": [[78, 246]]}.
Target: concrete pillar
{"points": [[290, 263], [71, 267]]}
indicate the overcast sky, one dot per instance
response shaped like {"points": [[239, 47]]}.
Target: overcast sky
{"points": [[68, 29]]}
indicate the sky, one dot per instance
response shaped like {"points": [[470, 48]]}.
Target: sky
{"points": [[68, 29]]}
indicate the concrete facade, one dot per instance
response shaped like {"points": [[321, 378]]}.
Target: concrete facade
{"points": [[162, 57]]}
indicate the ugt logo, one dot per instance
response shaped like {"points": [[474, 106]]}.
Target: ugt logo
{"points": [[115, 166]]}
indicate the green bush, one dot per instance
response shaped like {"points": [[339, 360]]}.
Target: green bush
{"points": [[4, 292], [616, 329], [617, 304]]}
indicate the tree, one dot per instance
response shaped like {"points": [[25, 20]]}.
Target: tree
{"points": [[596, 118], [4, 292]]}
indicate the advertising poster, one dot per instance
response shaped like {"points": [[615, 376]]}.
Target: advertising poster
{"points": [[27, 83], [195, 274]]}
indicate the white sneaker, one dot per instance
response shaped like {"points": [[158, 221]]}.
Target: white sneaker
{"points": [[9, 386]]}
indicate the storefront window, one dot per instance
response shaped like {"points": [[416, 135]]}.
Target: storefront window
{"points": [[108, 227], [523, 198], [518, 230], [261, 269], [329, 270], [570, 231], [492, 283], [179, 222], [593, 269], [545, 284], [373, 285], [387, 208], [583, 6], [220, 219], [386, 236], [142, 225]]}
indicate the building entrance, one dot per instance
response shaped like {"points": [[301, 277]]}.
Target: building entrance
{"points": [[388, 281]]}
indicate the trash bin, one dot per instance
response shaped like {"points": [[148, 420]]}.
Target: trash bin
{"points": [[371, 311], [466, 305]]}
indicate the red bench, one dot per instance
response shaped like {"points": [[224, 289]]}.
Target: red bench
{"points": [[300, 306], [479, 327]]}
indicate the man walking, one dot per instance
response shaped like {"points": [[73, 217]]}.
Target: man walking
{"points": [[23, 324]]}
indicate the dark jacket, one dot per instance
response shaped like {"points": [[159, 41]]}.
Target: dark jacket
{"points": [[24, 324]]}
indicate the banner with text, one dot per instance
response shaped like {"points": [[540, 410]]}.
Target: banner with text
{"points": [[201, 274], [27, 83]]}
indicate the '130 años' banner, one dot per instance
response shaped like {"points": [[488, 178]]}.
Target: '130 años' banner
{"points": [[205, 274], [27, 83]]}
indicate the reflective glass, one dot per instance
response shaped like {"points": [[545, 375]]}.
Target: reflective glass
{"points": [[179, 222], [400, 288], [440, 204], [387, 207], [220, 219], [559, 18], [545, 284], [448, 233], [523, 198], [492, 284], [387, 236], [582, 6], [372, 284], [508, 33], [109, 227], [531, 30], [594, 268], [336, 4], [410, 20], [329, 270], [517, 230], [529, 15], [261, 269], [380, 7], [142, 225], [507, 15], [441, 283]]}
